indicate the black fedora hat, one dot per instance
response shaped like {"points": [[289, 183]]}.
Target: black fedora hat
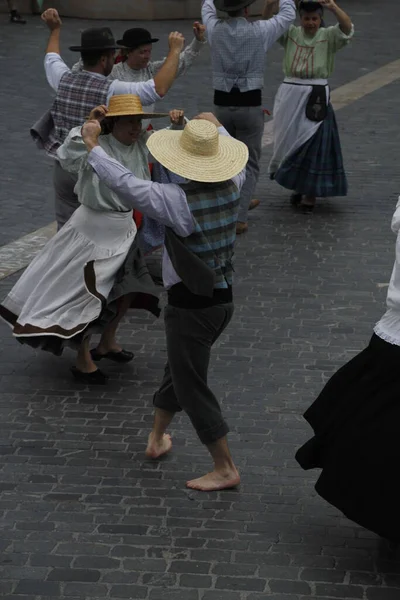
{"points": [[92, 40], [133, 38], [232, 5]]}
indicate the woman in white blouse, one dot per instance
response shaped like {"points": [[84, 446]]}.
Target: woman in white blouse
{"points": [[356, 425]]}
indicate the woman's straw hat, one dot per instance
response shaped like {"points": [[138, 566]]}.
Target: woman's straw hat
{"points": [[199, 152], [129, 105]]}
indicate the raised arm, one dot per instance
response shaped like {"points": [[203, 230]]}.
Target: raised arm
{"points": [[54, 65], [165, 203], [209, 16], [188, 54], [343, 18], [53, 22], [168, 72], [72, 154], [271, 8], [277, 25]]}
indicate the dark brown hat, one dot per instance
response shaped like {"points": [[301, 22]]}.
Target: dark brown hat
{"points": [[133, 38], [92, 40]]}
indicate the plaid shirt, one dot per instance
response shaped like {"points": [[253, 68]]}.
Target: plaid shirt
{"points": [[77, 95], [238, 46]]}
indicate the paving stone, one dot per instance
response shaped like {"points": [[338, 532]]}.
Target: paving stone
{"points": [[38, 588], [128, 591], [240, 583], [87, 575]]}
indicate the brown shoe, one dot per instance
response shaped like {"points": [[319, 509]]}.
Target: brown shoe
{"points": [[241, 228], [253, 204]]}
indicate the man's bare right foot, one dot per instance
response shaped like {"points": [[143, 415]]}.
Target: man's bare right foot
{"points": [[155, 448]]}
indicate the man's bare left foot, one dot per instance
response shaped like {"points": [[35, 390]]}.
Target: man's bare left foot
{"points": [[253, 204], [215, 481], [156, 449], [241, 228]]}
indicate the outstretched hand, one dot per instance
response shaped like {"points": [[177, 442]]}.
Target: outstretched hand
{"points": [[52, 19], [90, 133]]}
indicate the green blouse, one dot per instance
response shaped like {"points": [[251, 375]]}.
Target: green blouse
{"points": [[312, 57], [92, 192]]}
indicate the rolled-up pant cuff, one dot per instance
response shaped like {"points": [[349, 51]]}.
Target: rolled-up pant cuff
{"points": [[210, 436], [162, 401]]}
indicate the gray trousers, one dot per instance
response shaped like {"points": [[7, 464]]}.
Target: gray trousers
{"points": [[245, 123], [190, 336], [65, 200]]}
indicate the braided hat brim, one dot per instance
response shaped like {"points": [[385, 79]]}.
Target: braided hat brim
{"points": [[144, 115], [231, 158]]}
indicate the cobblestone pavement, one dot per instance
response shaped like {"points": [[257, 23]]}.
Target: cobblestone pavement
{"points": [[82, 514]]}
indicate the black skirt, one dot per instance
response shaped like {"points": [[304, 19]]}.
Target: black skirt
{"points": [[356, 421]]}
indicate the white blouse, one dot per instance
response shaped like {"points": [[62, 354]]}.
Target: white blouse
{"points": [[388, 328]]}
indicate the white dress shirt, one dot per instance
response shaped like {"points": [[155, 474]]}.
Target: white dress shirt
{"points": [[55, 68], [166, 203], [388, 328]]}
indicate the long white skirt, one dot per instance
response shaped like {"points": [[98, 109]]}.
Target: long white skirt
{"points": [[66, 286], [292, 128]]}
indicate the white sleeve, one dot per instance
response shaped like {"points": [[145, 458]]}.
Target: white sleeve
{"points": [[72, 154], [164, 202], [145, 90], [240, 178], [55, 68], [209, 17], [273, 29]]}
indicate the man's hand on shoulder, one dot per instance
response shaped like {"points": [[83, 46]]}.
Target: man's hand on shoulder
{"points": [[208, 116]]}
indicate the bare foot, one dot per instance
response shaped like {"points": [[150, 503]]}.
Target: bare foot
{"points": [[241, 228], [217, 480], [253, 204], [157, 449]]}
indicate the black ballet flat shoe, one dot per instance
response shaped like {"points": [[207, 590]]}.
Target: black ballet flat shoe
{"points": [[295, 199], [15, 17], [95, 378], [119, 357]]}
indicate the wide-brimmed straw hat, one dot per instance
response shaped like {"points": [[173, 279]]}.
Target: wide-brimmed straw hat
{"points": [[199, 152], [129, 105], [232, 5]]}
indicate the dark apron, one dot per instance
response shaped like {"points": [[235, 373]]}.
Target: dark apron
{"points": [[317, 109]]}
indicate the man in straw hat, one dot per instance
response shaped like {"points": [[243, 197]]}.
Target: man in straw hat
{"points": [[200, 218], [238, 49], [78, 93]]}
